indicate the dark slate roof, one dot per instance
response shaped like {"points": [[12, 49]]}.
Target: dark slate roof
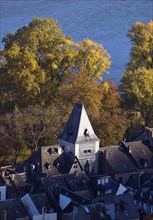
{"points": [[124, 205], [11, 190], [49, 155], [141, 153], [2, 182], [76, 198], [41, 200], [19, 181], [73, 181], [35, 159], [77, 181], [118, 159], [142, 176], [126, 208], [112, 184], [13, 209], [42, 160], [107, 199], [143, 136], [133, 181], [96, 211], [145, 194], [65, 162], [78, 119]]}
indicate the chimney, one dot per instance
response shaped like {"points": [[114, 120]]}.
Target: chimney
{"points": [[149, 135], [3, 173], [12, 176], [141, 194], [44, 210], [89, 217], [4, 215], [129, 149], [75, 210]]}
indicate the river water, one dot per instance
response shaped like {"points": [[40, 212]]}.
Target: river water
{"points": [[104, 21]]}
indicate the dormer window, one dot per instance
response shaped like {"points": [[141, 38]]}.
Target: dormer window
{"points": [[86, 133], [50, 151], [49, 167]]}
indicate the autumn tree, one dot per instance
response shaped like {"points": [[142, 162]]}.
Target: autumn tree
{"points": [[37, 57], [41, 126], [137, 81], [81, 88], [28, 129], [92, 58], [110, 124], [11, 133]]}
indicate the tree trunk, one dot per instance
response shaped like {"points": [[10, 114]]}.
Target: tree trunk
{"points": [[16, 154]]}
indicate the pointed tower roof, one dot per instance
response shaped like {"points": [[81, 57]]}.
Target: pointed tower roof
{"points": [[78, 127]]}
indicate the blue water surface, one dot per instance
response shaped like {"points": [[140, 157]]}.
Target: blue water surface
{"points": [[104, 21]]}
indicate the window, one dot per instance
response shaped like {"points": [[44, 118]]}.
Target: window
{"points": [[75, 166], [102, 180], [87, 151]]}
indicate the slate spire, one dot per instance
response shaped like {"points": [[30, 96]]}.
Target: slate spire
{"points": [[78, 127]]}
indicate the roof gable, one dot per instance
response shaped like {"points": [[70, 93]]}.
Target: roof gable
{"points": [[118, 159], [141, 153]]}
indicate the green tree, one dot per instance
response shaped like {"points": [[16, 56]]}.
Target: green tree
{"points": [[141, 36], [138, 90], [137, 81]]}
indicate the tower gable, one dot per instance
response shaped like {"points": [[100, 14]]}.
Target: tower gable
{"points": [[78, 127]]}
